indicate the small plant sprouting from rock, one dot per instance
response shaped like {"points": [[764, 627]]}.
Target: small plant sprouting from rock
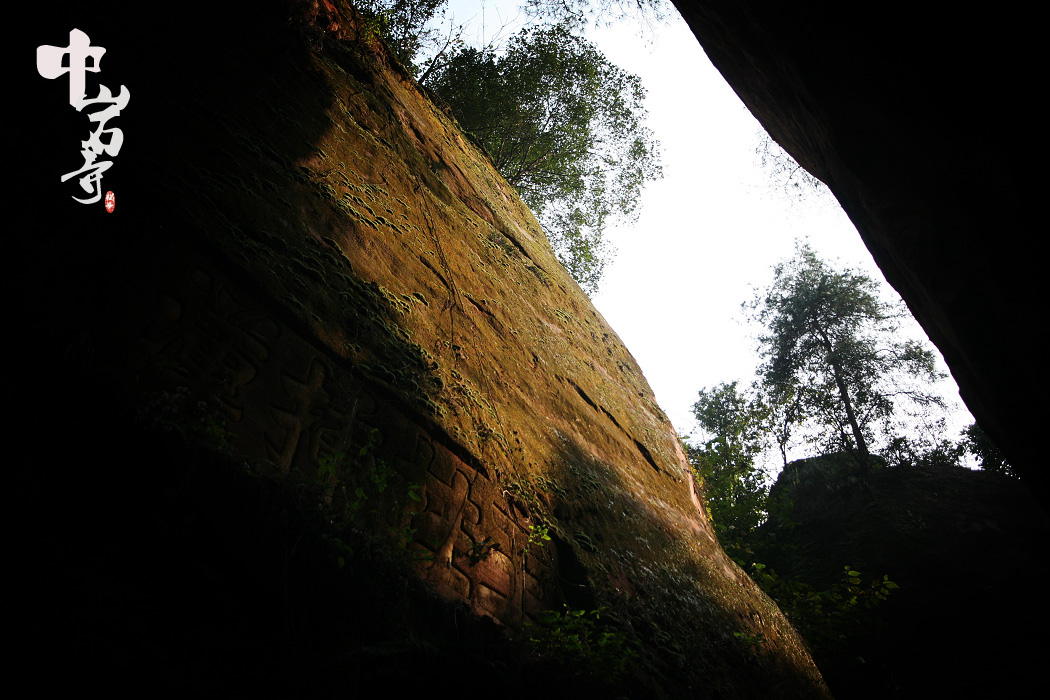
{"points": [[479, 551], [754, 642], [582, 641], [356, 493], [539, 531], [198, 418], [539, 535]]}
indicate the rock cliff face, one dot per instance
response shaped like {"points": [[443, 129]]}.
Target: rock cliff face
{"points": [[902, 111], [309, 265]]}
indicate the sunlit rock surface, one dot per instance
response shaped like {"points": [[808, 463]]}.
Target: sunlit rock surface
{"points": [[310, 264]]}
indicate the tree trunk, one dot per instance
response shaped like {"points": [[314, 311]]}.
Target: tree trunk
{"points": [[851, 416]]}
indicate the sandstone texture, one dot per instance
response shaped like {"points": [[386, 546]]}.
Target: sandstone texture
{"points": [[310, 268], [899, 109]]}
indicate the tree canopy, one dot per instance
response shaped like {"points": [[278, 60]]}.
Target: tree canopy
{"points": [[727, 463], [580, 12], [835, 371], [831, 342], [564, 126], [406, 25], [561, 123]]}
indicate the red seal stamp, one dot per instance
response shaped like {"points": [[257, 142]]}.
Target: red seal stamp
{"points": [[111, 201]]}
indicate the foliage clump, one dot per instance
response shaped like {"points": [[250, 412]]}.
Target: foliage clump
{"points": [[565, 127], [727, 467], [580, 640], [358, 492], [989, 456], [827, 617], [406, 26]]}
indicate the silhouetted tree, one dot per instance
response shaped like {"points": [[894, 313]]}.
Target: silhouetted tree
{"points": [[833, 343]]}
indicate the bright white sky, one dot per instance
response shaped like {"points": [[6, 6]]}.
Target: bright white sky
{"points": [[710, 230]]}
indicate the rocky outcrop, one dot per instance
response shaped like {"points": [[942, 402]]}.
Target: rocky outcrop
{"points": [[900, 111], [310, 267], [962, 546]]}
